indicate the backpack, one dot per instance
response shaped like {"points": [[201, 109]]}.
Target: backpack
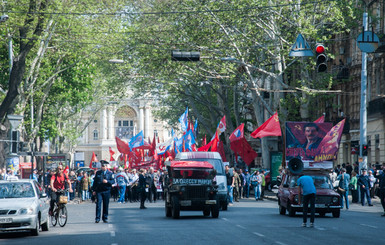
{"points": [[120, 180]]}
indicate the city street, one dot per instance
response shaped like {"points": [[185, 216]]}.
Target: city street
{"points": [[246, 222]]}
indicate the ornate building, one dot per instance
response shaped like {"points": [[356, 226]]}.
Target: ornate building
{"points": [[122, 120]]}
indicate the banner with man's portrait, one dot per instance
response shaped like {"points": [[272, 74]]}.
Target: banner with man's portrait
{"points": [[303, 139]]}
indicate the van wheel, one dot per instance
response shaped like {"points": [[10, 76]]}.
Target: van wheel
{"points": [[206, 212], [175, 207], [167, 209], [215, 211], [224, 205], [336, 213]]}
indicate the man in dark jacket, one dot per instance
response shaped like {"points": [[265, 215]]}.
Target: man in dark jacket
{"points": [[103, 182], [381, 179], [364, 183]]}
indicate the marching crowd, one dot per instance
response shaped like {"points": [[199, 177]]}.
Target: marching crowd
{"points": [[368, 185]]}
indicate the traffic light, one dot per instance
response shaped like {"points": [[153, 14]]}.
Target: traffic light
{"points": [[364, 150], [321, 58]]}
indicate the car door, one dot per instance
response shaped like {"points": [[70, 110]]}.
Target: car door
{"points": [[43, 201]]}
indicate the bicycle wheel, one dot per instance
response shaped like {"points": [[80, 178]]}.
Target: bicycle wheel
{"points": [[62, 217], [53, 217]]}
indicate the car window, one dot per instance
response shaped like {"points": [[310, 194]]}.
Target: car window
{"points": [[191, 173], [38, 188], [217, 164], [16, 190], [320, 182]]}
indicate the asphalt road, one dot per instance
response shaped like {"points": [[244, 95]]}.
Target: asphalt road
{"points": [[246, 222]]}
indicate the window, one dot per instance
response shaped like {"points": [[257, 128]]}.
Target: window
{"points": [[96, 134]]}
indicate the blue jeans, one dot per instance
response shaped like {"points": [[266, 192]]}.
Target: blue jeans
{"points": [[103, 196], [85, 195], [257, 192], [365, 192], [122, 191], [230, 193], [346, 197], [246, 190]]}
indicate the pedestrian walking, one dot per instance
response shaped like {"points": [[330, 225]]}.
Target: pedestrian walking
{"points": [[142, 188], [381, 179], [230, 184], [353, 187], [364, 184], [103, 182], [256, 182], [343, 185], [121, 179], [307, 193]]}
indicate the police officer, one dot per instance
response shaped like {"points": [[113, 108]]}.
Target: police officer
{"points": [[364, 183], [103, 182], [381, 178]]}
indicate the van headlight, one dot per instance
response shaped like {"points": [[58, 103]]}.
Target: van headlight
{"points": [[26, 211], [335, 199]]}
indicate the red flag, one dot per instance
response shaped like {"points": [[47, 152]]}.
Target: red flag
{"points": [[112, 153], [238, 133], [269, 128], [215, 142], [93, 159], [122, 146], [242, 148], [206, 147], [328, 148], [66, 170], [125, 161], [221, 151], [320, 120]]}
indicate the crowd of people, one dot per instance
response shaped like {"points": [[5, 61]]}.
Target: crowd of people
{"points": [[366, 186], [240, 182]]}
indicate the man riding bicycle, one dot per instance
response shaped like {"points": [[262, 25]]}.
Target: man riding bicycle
{"points": [[58, 185]]}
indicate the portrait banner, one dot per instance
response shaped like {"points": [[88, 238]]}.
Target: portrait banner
{"points": [[303, 139]]}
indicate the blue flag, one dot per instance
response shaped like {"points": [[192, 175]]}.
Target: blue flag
{"points": [[178, 145], [183, 120], [137, 140], [189, 140], [196, 128]]}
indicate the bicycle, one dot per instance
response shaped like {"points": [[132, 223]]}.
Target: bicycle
{"points": [[59, 214]]}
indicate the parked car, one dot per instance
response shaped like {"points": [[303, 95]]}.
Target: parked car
{"points": [[215, 159], [191, 185], [327, 199], [23, 206]]}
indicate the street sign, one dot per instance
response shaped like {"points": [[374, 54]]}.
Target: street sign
{"points": [[301, 48], [368, 42]]}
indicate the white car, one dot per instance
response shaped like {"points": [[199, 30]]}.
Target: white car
{"points": [[23, 206]]}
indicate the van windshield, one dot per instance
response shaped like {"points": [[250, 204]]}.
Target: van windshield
{"points": [[217, 164]]}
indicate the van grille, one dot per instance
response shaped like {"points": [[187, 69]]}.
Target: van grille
{"points": [[195, 192]]}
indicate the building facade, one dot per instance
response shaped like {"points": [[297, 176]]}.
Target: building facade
{"points": [[123, 120]]}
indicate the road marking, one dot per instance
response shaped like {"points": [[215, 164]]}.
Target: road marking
{"points": [[371, 226], [320, 228], [225, 219], [112, 233], [280, 243], [258, 234], [110, 226], [241, 227]]}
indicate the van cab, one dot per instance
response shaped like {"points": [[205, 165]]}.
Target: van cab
{"points": [[215, 159]]}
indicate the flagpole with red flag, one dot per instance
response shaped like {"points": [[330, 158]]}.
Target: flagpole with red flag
{"points": [[269, 128], [93, 159]]}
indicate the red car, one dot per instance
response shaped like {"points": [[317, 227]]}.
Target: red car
{"points": [[327, 199]]}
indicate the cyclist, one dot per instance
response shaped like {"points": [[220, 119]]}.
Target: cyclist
{"points": [[58, 184]]}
